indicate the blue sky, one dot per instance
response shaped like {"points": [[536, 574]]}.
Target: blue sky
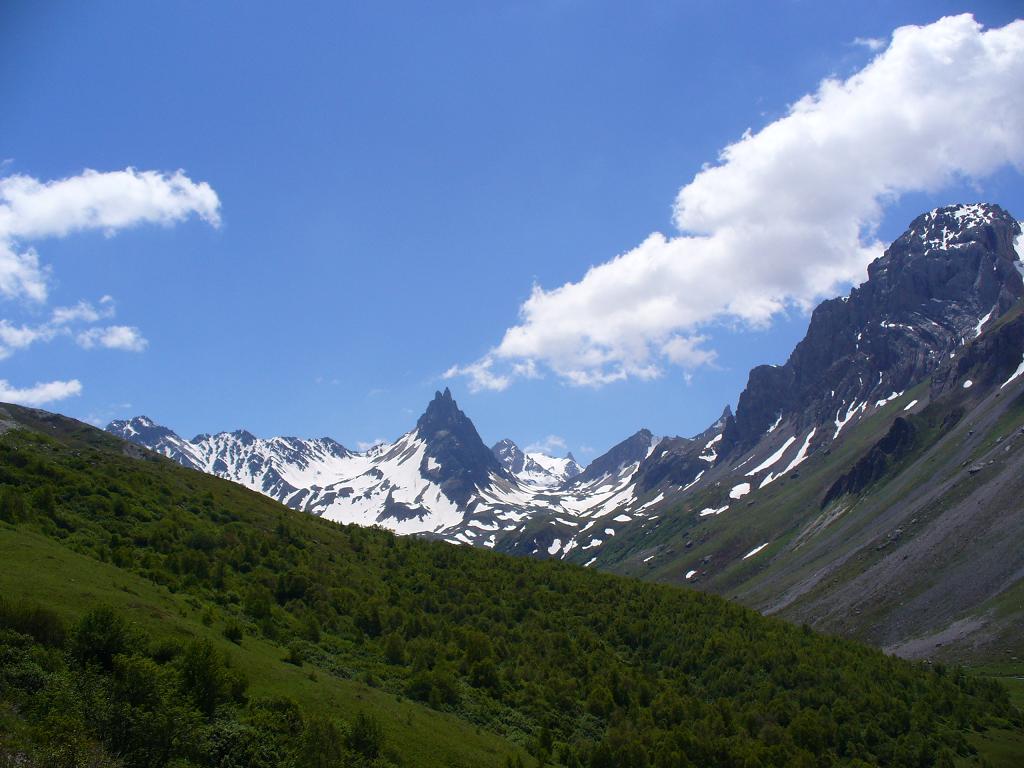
{"points": [[392, 180]]}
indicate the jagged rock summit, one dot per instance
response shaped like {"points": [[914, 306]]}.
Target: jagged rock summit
{"points": [[461, 462]]}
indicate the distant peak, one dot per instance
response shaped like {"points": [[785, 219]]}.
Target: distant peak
{"points": [[245, 436], [141, 429]]}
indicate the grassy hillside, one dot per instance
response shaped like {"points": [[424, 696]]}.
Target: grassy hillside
{"points": [[260, 636]]}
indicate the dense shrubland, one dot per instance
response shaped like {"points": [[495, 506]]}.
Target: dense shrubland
{"points": [[101, 694], [583, 668]]}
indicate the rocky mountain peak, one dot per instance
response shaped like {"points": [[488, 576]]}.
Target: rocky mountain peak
{"points": [[632, 450], [140, 429], [509, 455], [441, 411], [244, 436], [465, 463], [935, 287], [953, 226]]}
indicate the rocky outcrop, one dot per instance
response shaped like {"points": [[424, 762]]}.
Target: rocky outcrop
{"points": [[873, 465]]}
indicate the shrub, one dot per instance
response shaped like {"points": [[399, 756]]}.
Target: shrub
{"points": [[100, 636], [33, 620], [366, 737], [233, 631]]}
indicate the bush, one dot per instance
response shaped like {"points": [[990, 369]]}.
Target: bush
{"points": [[233, 631], [12, 505], [394, 649], [35, 621], [366, 737], [206, 680], [322, 744], [296, 653], [100, 636]]}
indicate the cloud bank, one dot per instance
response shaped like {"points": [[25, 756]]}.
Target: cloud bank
{"points": [[788, 214]]}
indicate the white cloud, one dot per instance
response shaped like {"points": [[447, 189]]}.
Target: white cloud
{"points": [[113, 337], [686, 351], [363, 447], [787, 216], [15, 337], [41, 393], [83, 312], [480, 375], [551, 445], [871, 43], [32, 210], [61, 323]]}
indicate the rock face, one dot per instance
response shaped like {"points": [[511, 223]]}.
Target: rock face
{"points": [[935, 287], [454, 444], [632, 450], [509, 456], [897, 443]]}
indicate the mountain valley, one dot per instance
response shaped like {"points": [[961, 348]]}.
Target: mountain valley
{"points": [[788, 504]]}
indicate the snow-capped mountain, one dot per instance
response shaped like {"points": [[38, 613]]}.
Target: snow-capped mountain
{"points": [[439, 479], [278, 467], [534, 468], [951, 276]]}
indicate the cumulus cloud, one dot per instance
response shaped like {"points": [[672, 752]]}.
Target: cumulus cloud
{"points": [[788, 213], [32, 210], [15, 337], [364, 446], [41, 393]]}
